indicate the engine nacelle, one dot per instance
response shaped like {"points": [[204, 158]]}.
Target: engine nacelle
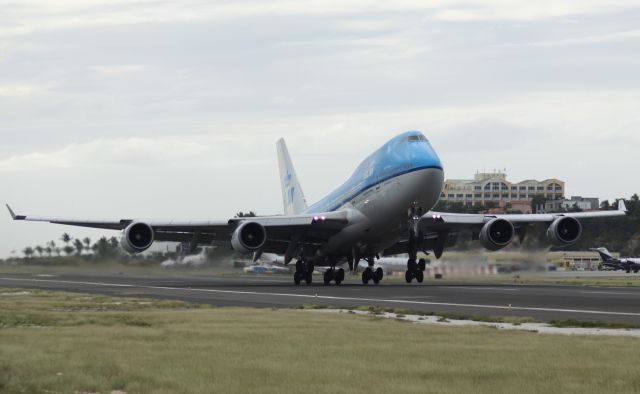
{"points": [[564, 231], [496, 234], [137, 237], [248, 237]]}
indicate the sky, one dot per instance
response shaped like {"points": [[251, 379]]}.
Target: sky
{"points": [[171, 109]]}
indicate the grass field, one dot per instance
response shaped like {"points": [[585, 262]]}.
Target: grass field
{"points": [[62, 342]]}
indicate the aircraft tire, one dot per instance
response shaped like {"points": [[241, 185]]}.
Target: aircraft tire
{"points": [[367, 275], [408, 276], [328, 276], [419, 276], [339, 276], [297, 277], [308, 277], [412, 265], [422, 264], [377, 275]]}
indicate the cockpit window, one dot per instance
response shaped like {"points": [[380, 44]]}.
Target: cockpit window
{"points": [[414, 138]]}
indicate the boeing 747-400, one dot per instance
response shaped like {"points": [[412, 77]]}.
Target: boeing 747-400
{"points": [[383, 209]]}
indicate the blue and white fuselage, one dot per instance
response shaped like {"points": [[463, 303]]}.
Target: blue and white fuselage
{"points": [[405, 172]]}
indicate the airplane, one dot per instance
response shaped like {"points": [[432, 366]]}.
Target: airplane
{"points": [[611, 263], [265, 268], [383, 209]]}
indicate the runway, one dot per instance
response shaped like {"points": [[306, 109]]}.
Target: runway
{"points": [[542, 302]]}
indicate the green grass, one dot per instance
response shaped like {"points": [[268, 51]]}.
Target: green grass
{"points": [[592, 324], [60, 342]]}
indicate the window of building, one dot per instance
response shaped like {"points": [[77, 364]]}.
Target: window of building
{"points": [[531, 188], [450, 196], [469, 195], [477, 188]]}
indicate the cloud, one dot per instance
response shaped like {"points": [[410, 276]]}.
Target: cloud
{"points": [[119, 70], [21, 91], [593, 39], [495, 10], [132, 152]]}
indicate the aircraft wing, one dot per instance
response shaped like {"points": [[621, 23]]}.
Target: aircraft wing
{"points": [[442, 220], [440, 230], [315, 228]]}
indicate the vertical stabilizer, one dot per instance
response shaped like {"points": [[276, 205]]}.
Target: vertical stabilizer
{"points": [[292, 197], [604, 254]]}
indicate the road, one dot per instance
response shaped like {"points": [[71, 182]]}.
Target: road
{"points": [[543, 302]]}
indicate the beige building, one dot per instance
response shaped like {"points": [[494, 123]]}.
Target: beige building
{"points": [[495, 187]]}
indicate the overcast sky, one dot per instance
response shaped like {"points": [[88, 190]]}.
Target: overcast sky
{"points": [[171, 109]]}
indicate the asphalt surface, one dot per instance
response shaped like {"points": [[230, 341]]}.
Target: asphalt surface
{"points": [[543, 302]]}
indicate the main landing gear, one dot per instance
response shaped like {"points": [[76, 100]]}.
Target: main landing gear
{"points": [[415, 270], [304, 271], [370, 274], [334, 274]]}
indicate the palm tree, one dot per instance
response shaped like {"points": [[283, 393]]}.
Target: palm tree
{"points": [[40, 250], [68, 249], [79, 246], [51, 247], [87, 243], [28, 252], [66, 238]]}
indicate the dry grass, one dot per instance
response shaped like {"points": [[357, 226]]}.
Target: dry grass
{"points": [[54, 342]]}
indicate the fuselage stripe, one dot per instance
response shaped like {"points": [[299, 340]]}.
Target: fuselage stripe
{"points": [[356, 194]]}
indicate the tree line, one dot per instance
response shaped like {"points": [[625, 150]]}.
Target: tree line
{"points": [[69, 246]]}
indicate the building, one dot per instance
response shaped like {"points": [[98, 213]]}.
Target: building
{"points": [[584, 203], [494, 187]]}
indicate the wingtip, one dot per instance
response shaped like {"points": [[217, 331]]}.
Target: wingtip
{"points": [[13, 215]]}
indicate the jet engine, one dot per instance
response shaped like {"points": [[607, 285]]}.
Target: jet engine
{"points": [[137, 237], [248, 237], [564, 231], [496, 234]]}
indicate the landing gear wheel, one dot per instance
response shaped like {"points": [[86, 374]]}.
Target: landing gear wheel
{"points": [[419, 276], [377, 275], [308, 277], [297, 277], [339, 276], [408, 276], [367, 275], [422, 264], [328, 276], [412, 265]]}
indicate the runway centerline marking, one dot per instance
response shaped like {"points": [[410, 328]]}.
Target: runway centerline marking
{"points": [[259, 293]]}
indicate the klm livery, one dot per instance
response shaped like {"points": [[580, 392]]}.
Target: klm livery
{"points": [[384, 208]]}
